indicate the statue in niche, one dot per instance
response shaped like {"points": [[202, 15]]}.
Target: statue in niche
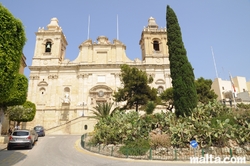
{"points": [[66, 98]]}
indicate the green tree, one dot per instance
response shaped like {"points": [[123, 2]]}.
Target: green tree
{"points": [[204, 91], [136, 91], [102, 110], [167, 97], [22, 113], [184, 91], [12, 40], [19, 91]]}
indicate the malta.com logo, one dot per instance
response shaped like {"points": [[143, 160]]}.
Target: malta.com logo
{"points": [[210, 159]]}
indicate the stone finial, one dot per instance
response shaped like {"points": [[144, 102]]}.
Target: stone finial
{"points": [[53, 25], [152, 23], [103, 40]]}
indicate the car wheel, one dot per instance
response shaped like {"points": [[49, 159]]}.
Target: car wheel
{"points": [[31, 146], [9, 147]]}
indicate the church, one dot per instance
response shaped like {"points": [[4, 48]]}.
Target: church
{"points": [[66, 91]]}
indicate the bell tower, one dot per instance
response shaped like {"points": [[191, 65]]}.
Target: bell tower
{"points": [[154, 44], [50, 45]]}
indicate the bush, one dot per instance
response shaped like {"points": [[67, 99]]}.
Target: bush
{"points": [[223, 117], [160, 140], [135, 148], [150, 107], [242, 105], [242, 115]]}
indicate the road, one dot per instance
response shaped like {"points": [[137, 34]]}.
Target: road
{"points": [[65, 150]]}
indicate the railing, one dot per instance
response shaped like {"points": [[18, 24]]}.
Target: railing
{"points": [[168, 154], [54, 127]]}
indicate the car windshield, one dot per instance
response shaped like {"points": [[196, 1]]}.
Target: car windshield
{"points": [[21, 133], [38, 128]]}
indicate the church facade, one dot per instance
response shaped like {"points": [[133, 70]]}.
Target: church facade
{"points": [[66, 91]]}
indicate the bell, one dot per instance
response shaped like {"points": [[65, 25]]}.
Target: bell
{"points": [[48, 46]]}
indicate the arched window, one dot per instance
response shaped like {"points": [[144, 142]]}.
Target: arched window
{"points": [[85, 127], [156, 46], [48, 46], [42, 95], [160, 90], [66, 90], [42, 91]]}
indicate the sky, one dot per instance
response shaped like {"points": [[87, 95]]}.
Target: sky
{"points": [[215, 33]]}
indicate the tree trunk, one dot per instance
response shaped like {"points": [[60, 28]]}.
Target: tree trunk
{"points": [[18, 125], [1, 120]]}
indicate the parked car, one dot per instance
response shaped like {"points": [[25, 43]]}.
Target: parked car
{"points": [[22, 138], [40, 131]]}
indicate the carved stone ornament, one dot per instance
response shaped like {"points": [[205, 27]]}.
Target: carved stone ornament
{"points": [[103, 40], [52, 76], [100, 93], [95, 88], [86, 43], [36, 77], [83, 75], [43, 83], [160, 81]]}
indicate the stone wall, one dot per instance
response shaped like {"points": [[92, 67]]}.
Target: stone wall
{"points": [[62, 122]]}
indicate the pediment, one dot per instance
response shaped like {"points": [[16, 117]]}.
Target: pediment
{"points": [[160, 81], [100, 87], [43, 83]]}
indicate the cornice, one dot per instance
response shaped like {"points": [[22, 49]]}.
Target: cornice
{"points": [[94, 66]]}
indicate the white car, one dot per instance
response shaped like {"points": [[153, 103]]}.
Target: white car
{"points": [[22, 138]]}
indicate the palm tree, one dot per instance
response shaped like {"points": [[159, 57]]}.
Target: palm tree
{"points": [[103, 110]]}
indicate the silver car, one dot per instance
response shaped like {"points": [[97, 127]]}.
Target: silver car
{"points": [[22, 138]]}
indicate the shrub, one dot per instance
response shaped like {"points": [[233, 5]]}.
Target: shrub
{"points": [[223, 117], [135, 148], [244, 106], [242, 115], [150, 107], [160, 140]]}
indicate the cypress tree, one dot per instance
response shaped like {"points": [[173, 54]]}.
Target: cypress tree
{"points": [[183, 80]]}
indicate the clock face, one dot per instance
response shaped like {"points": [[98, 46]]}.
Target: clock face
{"points": [[100, 93]]}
